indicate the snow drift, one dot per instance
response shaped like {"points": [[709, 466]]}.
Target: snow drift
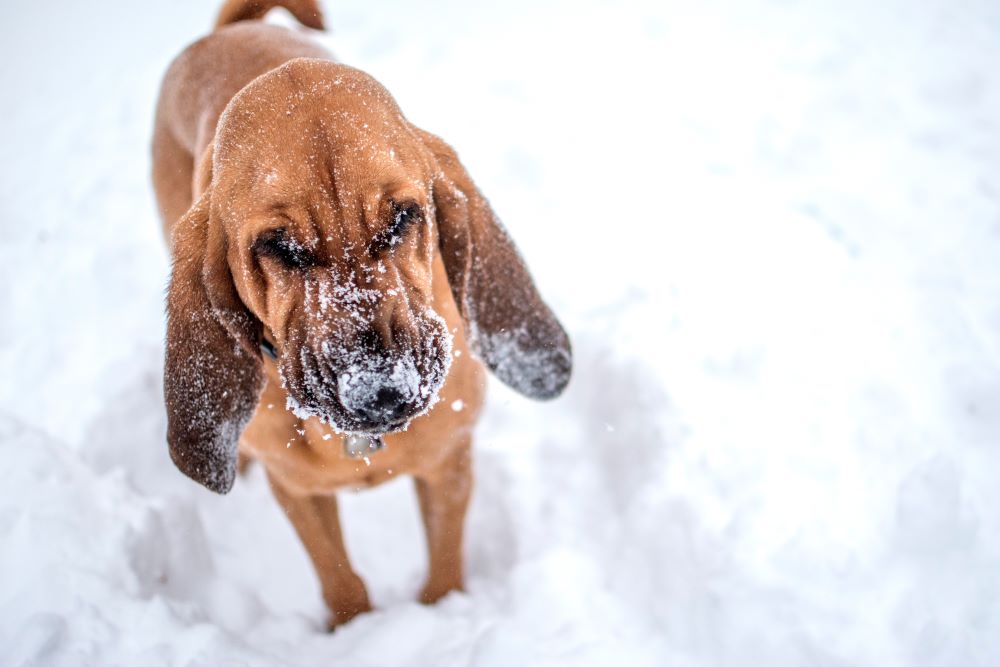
{"points": [[772, 232]]}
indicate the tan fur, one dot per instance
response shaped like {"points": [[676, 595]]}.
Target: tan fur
{"points": [[307, 12], [321, 146]]}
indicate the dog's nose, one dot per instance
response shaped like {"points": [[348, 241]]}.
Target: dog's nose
{"points": [[389, 400], [386, 405], [380, 395]]}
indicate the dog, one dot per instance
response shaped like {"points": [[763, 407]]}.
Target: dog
{"points": [[338, 288]]}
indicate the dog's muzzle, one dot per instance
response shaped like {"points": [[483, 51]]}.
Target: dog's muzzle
{"points": [[353, 381], [381, 394]]}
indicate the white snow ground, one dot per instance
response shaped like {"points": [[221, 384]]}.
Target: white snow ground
{"points": [[773, 230]]}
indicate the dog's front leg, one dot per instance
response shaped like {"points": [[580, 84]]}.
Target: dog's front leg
{"points": [[444, 497], [317, 522]]}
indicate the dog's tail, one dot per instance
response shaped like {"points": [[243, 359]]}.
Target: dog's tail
{"points": [[307, 12]]}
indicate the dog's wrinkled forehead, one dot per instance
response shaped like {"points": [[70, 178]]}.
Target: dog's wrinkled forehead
{"points": [[313, 120]]}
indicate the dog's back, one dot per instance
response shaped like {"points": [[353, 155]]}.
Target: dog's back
{"points": [[205, 76]]}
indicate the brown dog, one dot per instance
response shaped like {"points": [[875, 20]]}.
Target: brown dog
{"points": [[310, 221]]}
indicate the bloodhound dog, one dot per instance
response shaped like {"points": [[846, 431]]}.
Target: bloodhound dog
{"points": [[338, 284]]}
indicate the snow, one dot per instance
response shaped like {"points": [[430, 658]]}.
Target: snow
{"points": [[771, 229]]}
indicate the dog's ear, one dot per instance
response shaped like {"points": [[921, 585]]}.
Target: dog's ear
{"points": [[213, 374], [511, 329]]}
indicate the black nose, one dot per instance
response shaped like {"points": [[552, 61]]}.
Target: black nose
{"points": [[387, 405]]}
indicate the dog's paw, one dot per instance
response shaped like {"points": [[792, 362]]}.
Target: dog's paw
{"points": [[434, 591], [342, 616], [351, 600]]}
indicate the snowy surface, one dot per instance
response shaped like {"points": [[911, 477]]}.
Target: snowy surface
{"points": [[773, 231]]}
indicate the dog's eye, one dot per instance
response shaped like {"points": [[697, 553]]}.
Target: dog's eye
{"points": [[404, 216], [278, 245]]}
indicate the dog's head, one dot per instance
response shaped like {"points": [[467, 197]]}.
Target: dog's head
{"points": [[316, 234]]}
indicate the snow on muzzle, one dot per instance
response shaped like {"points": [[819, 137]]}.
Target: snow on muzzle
{"points": [[361, 359], [378, 392], [358, 388]]}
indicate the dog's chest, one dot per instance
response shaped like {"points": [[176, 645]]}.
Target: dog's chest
{"points": [[311, 457]]}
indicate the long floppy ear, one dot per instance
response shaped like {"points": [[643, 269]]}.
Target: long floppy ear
{"points": [[213, 375], [511, 329]]}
